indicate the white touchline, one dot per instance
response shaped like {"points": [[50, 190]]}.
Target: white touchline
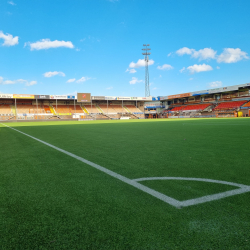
{"points": [[158, 195]]}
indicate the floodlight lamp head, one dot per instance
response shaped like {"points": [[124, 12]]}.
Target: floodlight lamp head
{"points": [[148, 44], [144, 44]]}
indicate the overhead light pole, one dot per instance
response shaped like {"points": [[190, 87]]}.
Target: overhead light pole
{"points": [[146, 54]]}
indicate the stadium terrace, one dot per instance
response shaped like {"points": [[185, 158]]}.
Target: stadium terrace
{"points": [[232, 101]]}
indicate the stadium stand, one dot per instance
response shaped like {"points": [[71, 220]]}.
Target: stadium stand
{"points": [[92, 110], [5, 109], [133, 108], [107, 110], [246, 105], [29, 109], [175, 109], [229, 105], [197, 107]]}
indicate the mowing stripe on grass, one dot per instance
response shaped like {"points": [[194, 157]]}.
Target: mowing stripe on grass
{"points": [[143, 188]]}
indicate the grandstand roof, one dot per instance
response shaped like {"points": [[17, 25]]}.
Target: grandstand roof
{"points": [[202, 92]]}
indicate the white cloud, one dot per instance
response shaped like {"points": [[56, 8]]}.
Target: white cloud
{"points": [[71, 80], [7, 82], [140, 63], [217, 67], [169, 54], [215, 84], [11, 2], [9, 40], [31, 83], [83, 79], [181, 70], [165, 67], [54, 73], [196, 68], [109, 88], [131, 71], [160, 76], [190, 79], [230, 55], [202, 54], [135, 80], [155, 88], [47, 44], [184, 51]]}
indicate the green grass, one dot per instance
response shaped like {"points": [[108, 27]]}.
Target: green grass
{"points": [[49, 200]]}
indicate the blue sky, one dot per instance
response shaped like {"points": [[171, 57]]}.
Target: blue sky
{"points": [[64, 47]]}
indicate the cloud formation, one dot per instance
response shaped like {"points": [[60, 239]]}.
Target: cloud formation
{"points": [[54, 73], [140, 63], [9, 40], [230, 55], [71, 80], [109, 88], [11, 2], [202, 54], [131, 71], [215, 84], [83, 79], [7, 82], [47, 44], [31, 83], [196, 68], [135, 80], [165, 67]]}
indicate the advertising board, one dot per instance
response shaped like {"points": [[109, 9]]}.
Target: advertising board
{"points": [[110, 98], [71, 97], [24, 96], [83, 97], [98, 98], [179, 96], [58, 97], [42, 97], [6, 95]]}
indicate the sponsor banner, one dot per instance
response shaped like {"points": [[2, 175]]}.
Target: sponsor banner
{"points": [[145, 98], [122, 98], [111, 98], [179, 96], [58, 97], [6, 95], [23, 96], [152, 104], [98, 98], [83, 97], [42, 96], [71, 97]]}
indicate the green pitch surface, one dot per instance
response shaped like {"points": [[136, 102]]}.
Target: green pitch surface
{"points": [[50, 200]]}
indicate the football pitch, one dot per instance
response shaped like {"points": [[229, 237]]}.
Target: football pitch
{"points": [[136, 184]]}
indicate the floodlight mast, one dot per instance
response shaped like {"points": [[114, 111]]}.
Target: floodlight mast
{"points": [[146, 54]]}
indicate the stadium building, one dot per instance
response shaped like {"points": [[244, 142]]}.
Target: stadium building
{"points": [[233, 101]]}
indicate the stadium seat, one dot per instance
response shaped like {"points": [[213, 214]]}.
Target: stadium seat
{"points": [[229, 105]]}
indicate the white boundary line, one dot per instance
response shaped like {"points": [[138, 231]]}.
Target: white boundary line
{"points": [[158, 195], [143, 188], [242, 189]]}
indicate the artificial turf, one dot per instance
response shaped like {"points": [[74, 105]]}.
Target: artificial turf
{"points": [[49, 200]]}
